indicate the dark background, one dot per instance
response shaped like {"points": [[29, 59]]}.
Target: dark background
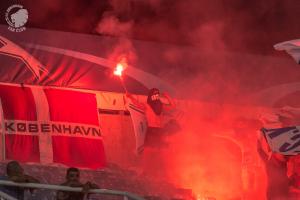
{"points": [[223, 49], [248, 26]]}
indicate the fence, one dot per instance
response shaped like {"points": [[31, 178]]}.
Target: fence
{"points": [[126, 195]]}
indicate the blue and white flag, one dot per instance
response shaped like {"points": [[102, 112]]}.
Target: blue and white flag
{"points": [[292, 47], [285, 140]]}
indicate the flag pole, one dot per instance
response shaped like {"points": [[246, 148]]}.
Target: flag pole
{"points": [[123, 84]]}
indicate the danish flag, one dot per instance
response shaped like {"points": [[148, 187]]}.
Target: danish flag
{"points": [[50, 125]]}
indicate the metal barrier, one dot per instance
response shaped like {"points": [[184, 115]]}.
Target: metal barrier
{"points": [[126, 195], [4, 196]]}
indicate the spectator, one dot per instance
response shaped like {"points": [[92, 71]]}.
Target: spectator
{"points": [[73, 180], [155, 107], [16, 173], [155, 110]]}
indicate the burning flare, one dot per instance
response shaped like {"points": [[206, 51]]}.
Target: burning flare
{"points": [[119, 69], [121, 66]]}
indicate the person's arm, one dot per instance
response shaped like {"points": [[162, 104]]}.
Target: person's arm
{"points": [[23, 179], [170, 100], [30, 179], [171, 104]]}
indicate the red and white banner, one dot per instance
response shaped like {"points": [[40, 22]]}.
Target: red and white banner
{"points": [[51, 125]]}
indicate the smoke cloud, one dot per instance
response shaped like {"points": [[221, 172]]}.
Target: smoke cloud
{"points": [[216, 52]]}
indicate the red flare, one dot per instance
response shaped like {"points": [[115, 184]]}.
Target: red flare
{"points": [[119, 69]]}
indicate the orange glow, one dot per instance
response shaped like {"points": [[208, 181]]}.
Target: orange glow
{"points": [[119, 69], [198, 158], [120, 66]]}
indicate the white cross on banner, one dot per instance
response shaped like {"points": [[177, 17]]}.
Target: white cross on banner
{"points": [[50, 125]]}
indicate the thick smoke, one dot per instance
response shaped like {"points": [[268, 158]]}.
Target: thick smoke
{"points": [[111, 24], [216, 52], [215, 60]]}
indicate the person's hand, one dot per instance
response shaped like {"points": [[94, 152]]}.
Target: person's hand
{"points": [[88, 185], [85, 188]]}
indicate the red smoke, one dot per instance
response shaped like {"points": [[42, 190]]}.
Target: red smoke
{"points": [[214, 154], [200, 66]]}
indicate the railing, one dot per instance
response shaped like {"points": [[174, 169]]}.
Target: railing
{"points": [[126, 195], [5, 196]]}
